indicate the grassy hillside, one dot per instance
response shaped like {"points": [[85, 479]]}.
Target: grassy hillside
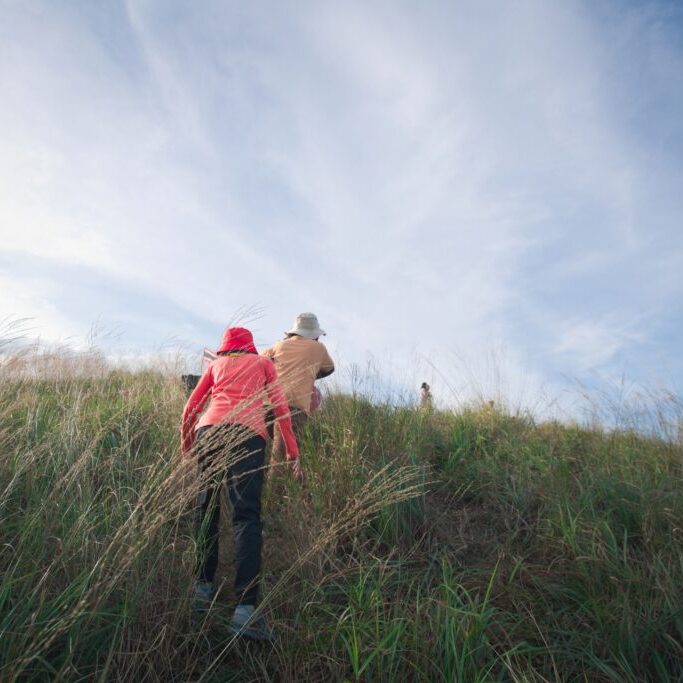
{"points": [[474, 546]]}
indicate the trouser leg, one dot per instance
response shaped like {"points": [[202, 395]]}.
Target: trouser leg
{"points": [[206, 530], [207, 515], [278, 452], [299, 418], [244, 491]]}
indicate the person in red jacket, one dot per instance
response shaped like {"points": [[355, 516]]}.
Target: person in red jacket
{"points": [[229, 442]]}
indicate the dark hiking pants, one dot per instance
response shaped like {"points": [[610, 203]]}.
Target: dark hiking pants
{"points": [[243, 475]]}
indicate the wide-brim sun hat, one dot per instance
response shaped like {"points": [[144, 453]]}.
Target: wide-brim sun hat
{"points": [[306, 325], [237, 339]]}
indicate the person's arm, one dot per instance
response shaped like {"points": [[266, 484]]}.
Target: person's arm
{"points": [[281, 410], [193, 409], [326, 364]]}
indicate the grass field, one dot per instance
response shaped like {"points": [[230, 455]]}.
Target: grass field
{"points": [[422, 545]]}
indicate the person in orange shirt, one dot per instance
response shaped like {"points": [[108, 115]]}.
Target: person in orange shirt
{"points": [[300, 359], [229, 443]]}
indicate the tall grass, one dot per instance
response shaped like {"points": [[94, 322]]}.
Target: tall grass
{"points": [[466, 546]]}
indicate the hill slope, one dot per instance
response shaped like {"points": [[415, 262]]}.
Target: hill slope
{"points": [[422, 545]]}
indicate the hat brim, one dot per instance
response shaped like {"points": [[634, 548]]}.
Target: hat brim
{"points": [[309, 334]]}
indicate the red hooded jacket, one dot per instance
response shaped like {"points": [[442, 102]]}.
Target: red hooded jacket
{"points": [[237, 385]]}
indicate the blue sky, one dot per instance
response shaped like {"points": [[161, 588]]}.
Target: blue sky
{"points": [[451, 186]]}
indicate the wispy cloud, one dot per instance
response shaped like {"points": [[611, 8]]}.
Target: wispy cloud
{"points": [[428, 178], [593, 343]]}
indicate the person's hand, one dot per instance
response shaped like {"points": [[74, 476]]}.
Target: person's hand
{"points": [[296, 467]]}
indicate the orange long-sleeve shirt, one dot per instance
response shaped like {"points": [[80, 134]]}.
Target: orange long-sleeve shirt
{"points": [[237, 386], [298, 361]]}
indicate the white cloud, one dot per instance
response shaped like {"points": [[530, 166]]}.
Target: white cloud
{"points": [[593, 343], [424, 176], [40, 317]]}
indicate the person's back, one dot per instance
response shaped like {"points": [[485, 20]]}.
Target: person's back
{"points": [[300, 359], [299, 362]]}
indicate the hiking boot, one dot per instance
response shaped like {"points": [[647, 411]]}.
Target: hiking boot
{"points": [[202, 596], [247, 622]]}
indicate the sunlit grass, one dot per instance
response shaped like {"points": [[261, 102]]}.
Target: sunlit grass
{"points": [[468, 546]]}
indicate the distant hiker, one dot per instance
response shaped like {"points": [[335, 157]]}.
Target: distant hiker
{"points": [[425, 396], [300, 359], [233, 430]]}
